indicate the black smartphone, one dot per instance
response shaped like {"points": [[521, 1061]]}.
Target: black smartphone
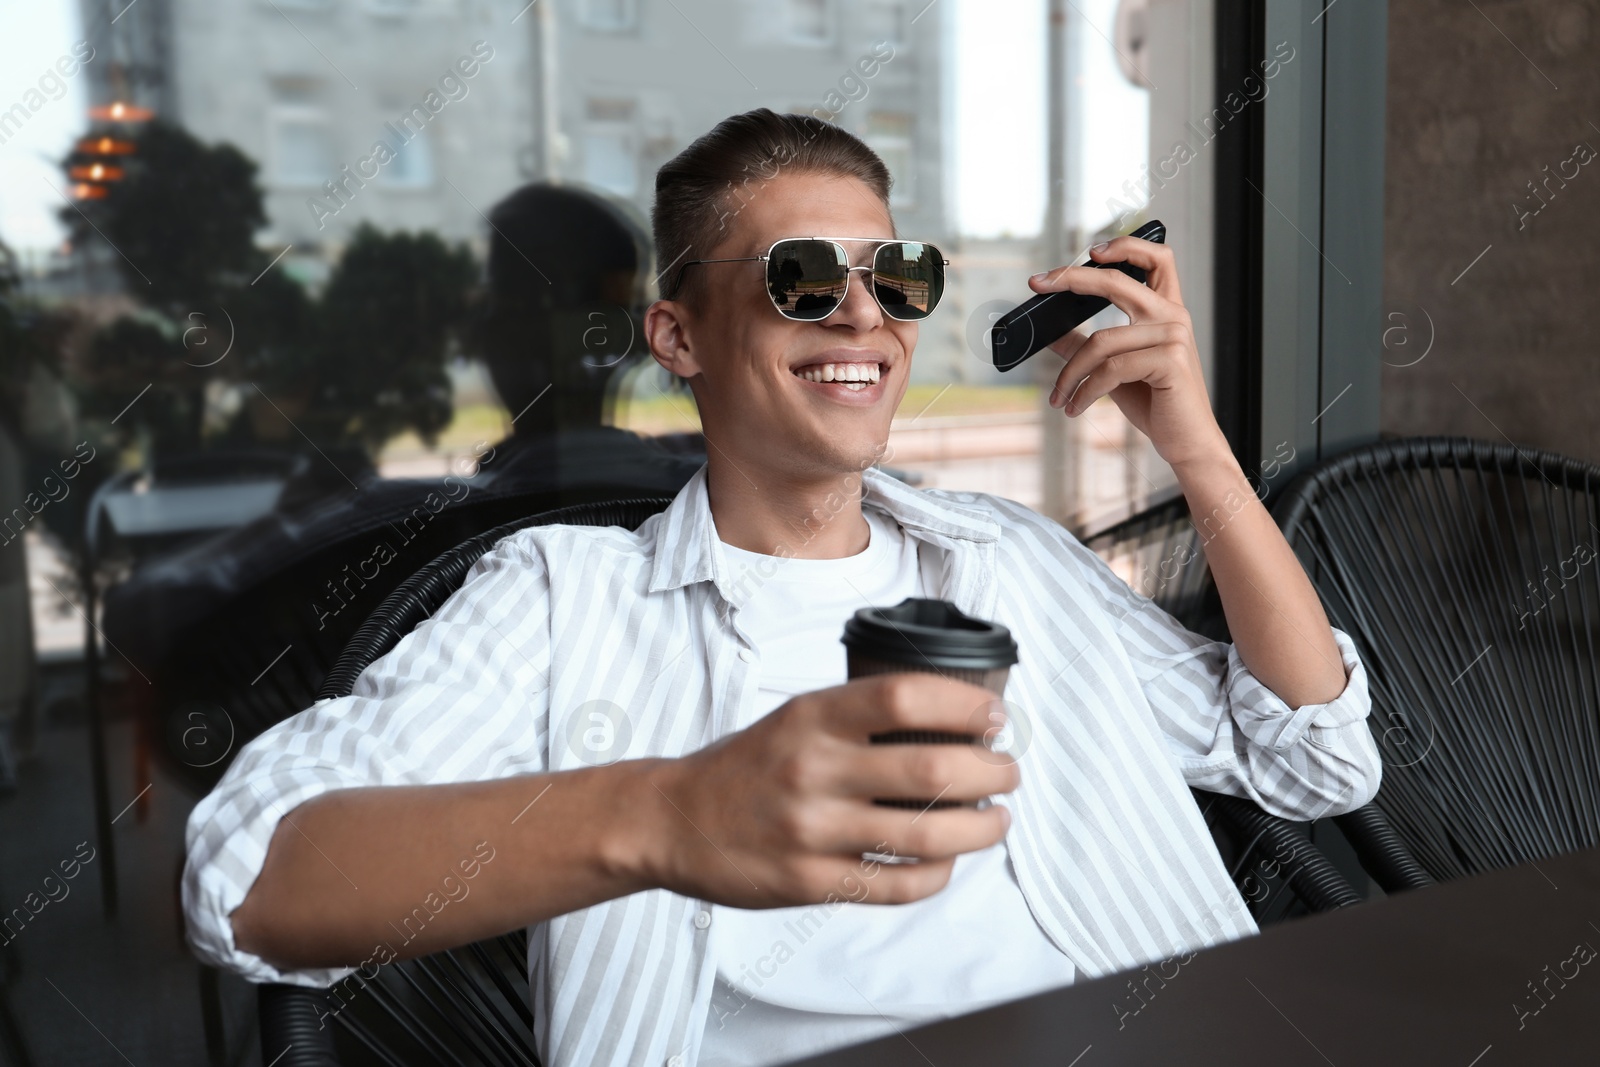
{"points": [[1027, 328]]}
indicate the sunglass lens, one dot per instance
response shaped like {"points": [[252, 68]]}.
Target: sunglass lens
{"points": [[807, 278], [908, 277]]}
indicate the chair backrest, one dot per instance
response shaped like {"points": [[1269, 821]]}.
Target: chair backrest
{"points": [[306, 612], [420, 596], [466, 1006], [1466, 574], [1160, 552]]}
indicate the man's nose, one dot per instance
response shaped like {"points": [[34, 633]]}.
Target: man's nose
{"points": [[859, 308]]}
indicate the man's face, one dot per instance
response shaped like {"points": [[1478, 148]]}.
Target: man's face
{"points": [[751, 369]]}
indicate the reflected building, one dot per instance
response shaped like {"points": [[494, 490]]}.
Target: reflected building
{"points": [[634, 81], [310, 90], [421, 114]]}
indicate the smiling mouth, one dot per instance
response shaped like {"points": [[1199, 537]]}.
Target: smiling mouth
{"points": [[853, 376]]}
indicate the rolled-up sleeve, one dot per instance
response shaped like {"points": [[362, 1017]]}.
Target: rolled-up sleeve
{"points": [[1300, 763], [460, 698]]}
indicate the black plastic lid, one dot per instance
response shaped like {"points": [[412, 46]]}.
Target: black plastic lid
{"points": [[927, 632]]}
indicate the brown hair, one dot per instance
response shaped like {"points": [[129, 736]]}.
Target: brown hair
{"points": [[702, 189]]}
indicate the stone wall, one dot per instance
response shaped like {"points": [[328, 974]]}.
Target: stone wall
{"points": [[1481, 103]]}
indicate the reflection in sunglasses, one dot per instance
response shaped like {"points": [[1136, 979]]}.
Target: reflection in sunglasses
{"points": [[807, 278]]}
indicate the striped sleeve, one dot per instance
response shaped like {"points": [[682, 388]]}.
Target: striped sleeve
{"points": [[462, 697], [1227, 730]]}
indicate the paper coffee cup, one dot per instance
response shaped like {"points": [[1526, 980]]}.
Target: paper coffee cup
{"points": [[935, 637]]}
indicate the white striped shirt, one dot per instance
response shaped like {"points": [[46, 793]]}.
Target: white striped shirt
{"points": [[1117, 710]]}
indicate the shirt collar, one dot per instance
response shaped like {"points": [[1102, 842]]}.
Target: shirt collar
{"points": [[687, 549]]}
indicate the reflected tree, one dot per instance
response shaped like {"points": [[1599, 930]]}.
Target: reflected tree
{"points": [[350, 370], [388, 320]]}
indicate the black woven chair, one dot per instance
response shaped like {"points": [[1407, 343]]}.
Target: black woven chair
{"points": [[213, 692], [1466, 574], [1273, 862]]}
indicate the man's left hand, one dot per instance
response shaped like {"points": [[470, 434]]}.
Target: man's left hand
{"points": [[1150, 367]]}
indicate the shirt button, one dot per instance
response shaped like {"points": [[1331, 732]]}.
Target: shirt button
{"points": [[674, 1061], [747, 654], [702, 919]]}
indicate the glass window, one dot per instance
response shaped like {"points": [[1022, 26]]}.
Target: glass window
{"points": [[378, 283], [412, 165], [609, 15], [389, 8], [299, 143], [934, 113], [884, 20], [609, 163], [810, 21], [610, 157], [301, 153]]}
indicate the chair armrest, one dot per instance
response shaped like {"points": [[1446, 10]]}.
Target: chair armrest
{"points": [[1381, 851], [292, 1034], [1310, 874]]}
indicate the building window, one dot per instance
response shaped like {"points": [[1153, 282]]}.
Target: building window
{"points": [[884, 20], [810, 21], [608, 15], [298, 142], [412, 165], [300, 154], [889, 135], [389, 8], [610, 152]]}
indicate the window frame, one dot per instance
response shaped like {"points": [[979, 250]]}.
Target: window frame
{"points": [[1299, 250]]}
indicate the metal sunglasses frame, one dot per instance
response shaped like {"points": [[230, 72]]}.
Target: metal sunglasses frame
{"points": [[879, 241]]}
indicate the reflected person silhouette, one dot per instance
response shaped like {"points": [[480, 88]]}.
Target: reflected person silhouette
{"points": [[567, 288], [556, 337]]}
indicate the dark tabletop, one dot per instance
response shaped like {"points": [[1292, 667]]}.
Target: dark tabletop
{"points": [[1497, 969]]}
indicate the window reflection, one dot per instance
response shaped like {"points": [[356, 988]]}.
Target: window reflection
{"points": [[297, 294], [347, 262]]}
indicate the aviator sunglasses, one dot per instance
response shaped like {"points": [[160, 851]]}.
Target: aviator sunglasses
{"points": [[808, 277]]}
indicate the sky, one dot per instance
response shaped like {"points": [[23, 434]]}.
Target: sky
{"points": [[998, 97], [1000, 115], [33, 34]]}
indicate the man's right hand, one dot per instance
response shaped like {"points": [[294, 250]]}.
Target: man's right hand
{"points": [[779, 814]]}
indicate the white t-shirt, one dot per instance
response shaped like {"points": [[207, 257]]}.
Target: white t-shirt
{"points": [[792, 982]]}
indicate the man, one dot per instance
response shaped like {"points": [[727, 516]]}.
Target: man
{"points": [[648, 734]]}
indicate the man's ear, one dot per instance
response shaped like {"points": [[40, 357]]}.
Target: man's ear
{"points": [[666, 330]]}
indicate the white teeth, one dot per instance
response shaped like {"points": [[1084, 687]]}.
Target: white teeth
{"points": [[862, 373]]}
